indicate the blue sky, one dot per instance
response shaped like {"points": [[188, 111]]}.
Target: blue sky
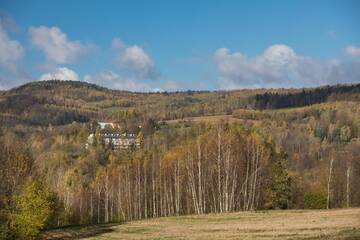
{"points": [[179, 45]]}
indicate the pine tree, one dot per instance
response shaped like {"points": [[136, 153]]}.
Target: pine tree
{"points": [[278, 193]]}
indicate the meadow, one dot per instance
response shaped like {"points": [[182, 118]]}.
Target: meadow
{"points": [[282, 224]]}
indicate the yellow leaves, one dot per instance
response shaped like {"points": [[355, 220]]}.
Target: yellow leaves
{"points": [[345, 133], [172, 156], [73, 180], [34, 207]]}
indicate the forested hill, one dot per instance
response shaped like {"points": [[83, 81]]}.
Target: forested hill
{"points": [[53, 84], [307, 97], [250, 156], [62, 102]]}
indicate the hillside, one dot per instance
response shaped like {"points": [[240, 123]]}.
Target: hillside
{"points": [[62, 102], [198, 153], [179, 120]]}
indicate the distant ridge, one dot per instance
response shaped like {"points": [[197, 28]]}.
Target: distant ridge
{"points": [[51, 84], [62, 102]]}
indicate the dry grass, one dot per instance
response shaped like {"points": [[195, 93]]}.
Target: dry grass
{"points": [[291, 224]]}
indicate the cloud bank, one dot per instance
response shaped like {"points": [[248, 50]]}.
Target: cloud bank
{"points": [[280, 66], [112, 80]]}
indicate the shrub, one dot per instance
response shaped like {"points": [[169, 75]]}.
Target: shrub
{"points": [[34, 208], [315, 200]]}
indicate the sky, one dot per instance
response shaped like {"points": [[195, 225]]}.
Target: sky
{"points": [[176, 45]]}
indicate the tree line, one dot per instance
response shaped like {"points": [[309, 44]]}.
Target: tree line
{"points": [[274, 100]]}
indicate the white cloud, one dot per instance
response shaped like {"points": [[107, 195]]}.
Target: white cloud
{"points": [[280, 66], [114, 81], [62, 73], [11, 52], [135, 59], [353, 51], [56, 45], [117, 43]]}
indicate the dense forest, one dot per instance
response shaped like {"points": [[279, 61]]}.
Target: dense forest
{"points": [[306, 97], [283, 148]]}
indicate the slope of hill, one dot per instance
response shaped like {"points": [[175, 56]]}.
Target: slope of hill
{"points": [[62, 102], [200, 152], [52, 100]]}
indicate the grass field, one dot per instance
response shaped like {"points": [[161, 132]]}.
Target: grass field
{"points": [[287, 224]]}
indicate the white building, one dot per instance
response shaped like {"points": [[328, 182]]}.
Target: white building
{"points": [[103, 125], [116, 140]]}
